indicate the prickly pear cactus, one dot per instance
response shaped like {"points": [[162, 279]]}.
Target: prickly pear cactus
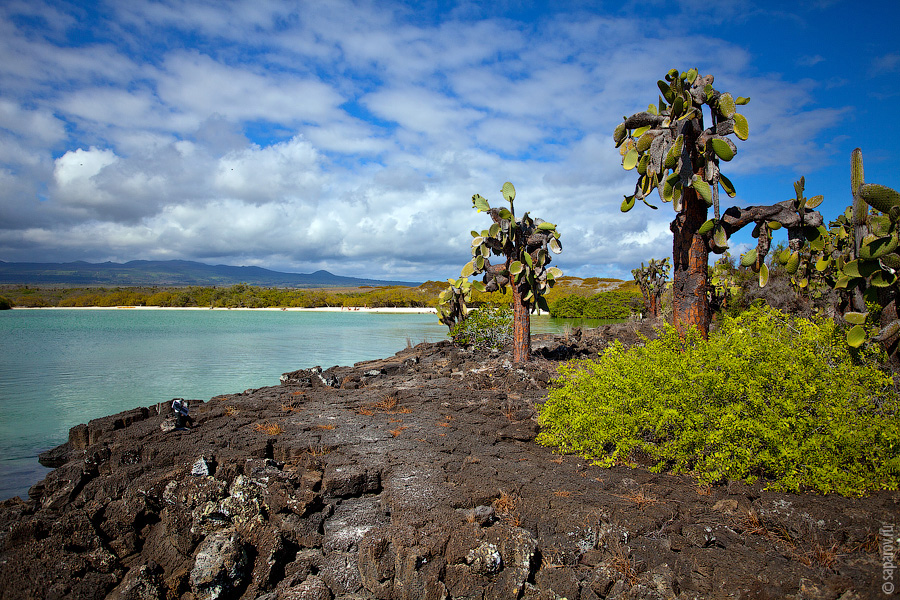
{"points": [[670, 149], [862, 259], [652, 281], [676, 154], [525, 244], [452, 301], [807, 239]]}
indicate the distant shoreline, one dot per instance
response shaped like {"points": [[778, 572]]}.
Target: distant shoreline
{"points": [[419, 310]]}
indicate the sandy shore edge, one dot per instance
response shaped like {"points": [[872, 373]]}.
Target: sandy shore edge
{"points": [[345, 309]]}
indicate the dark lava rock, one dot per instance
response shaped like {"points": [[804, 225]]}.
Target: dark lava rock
{"points": [[416, 476]]}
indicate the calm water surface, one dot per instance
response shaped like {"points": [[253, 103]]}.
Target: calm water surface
{"points": [[59, 368]]}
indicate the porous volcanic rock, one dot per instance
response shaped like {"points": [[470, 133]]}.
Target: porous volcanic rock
{"points": [[412, 477]]}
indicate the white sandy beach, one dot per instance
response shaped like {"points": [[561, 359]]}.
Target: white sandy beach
{"points": [[346, 309]]}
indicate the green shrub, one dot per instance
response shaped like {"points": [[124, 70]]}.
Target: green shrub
{"points": [[489, 327], [5, 304], [616, 304], [769, 395]]}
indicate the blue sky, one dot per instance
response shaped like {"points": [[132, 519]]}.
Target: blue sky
{"points": [[350, 136]]}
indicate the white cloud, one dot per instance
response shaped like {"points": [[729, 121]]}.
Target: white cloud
{"points": [[75, 176], [351, 135]]}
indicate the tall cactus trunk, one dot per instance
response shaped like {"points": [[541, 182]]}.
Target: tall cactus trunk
{"points": [[690, 255], [521, 327]]}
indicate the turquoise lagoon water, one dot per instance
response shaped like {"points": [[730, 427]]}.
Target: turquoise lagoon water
{"points": [[59, 367]]}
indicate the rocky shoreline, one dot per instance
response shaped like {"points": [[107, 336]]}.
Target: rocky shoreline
{"points": [[416, 476]]}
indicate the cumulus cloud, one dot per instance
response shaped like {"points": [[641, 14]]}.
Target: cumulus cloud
{"points": [[347, 135]]}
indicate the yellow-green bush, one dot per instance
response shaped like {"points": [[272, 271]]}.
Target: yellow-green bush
{"points": [[769, 395]]}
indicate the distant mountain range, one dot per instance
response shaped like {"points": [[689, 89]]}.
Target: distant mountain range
{"points": [[170, 273]]}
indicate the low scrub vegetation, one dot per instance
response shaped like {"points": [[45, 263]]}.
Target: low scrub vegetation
{"points": [[249, 296], [767, 396], [618, 304], [489, 327]]}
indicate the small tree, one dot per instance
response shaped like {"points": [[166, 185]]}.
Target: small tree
{"points": [[676, 154], [525, 245], [652, 281]]}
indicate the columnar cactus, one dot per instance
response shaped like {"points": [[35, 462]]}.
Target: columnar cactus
{"points": [[678, 156], [525, 244], [652, 281]]}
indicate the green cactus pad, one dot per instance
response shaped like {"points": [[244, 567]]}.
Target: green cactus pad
{"points": [[707, 226], [860, 268], [856, 336], [619, 134], [722, 149], [720, 239], [883, 279], [480, 203], [878, 247], [773, 225], [741, 126], [643, 143], [629, 161], [468, 269], [879, 197], [823, 263], [727, 186], [855, 318], [749, 258], [793, 263], [726, 105], [814, 202], [891, 260], [509, 191], [627, 204], [703, 190], [741, 100], [763, 275]]}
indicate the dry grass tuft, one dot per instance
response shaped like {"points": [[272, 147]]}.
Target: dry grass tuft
{"points": [[268, 428], [329, 426], [642, 498], [318, 450], [562, 493], [398, 431], [387, 403], [704, 489], [230, 411], [625, 566], [507, 506]]}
